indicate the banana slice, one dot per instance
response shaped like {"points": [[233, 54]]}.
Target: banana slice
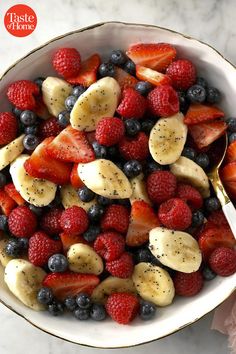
{"points": [[11, 151], [112, 285], [69, 198], [24, 280], [153, 284], [167, 139], [38, 192], [98, 101], [188, 171], [4, 258], [139, 189], [54, 92], [103, 177], [175, 249], [83, 259]]}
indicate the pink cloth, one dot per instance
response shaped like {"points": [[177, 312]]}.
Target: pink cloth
{"points": [[225, 320]]}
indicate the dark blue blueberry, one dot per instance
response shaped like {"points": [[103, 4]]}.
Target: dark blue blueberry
{"points": [[208, 273], [63, 118], [147, 125], [16, 111], [58, 263], [70, 102], [13, 248], [143, 255], [183, 102], [81, 314], [202, 160], [91, 233], [28, 118], [202, 82], [78, 90], [3, 223], [85, 194], [95, 212], [143, 87], [24, 243], [3, 180], [213, 95], [132, 127], [83, 300], [56, 308], [197, 218], [231, 124], [99, 150], [45, 296], [190, 153], [120, 165], [33, 130], [56, 201], [39, 81], [196, 94], [132, 168], [129, 67], [212, 204], [36, 210], [104, 201], [125, 202], [30, 142], [112, 152], [98, 312], [147, 310], [232, 137], [152, 166], [117, 57], [106, 69], [70, 303]]}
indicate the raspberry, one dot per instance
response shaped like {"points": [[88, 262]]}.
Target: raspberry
{"points": [[41, 247], [190, 195], [109, 245], [217, 218], [50, 222], [223, 261], [8, 127], [109, 131], [49, 127], [22, 222], [135, 148], [21, 94], [182, 73], [74, 220], [188, 284], [122, 307], [66, 62], [132, 105], [163, 101], [116, 218], [121, 267], [175, 214], [161, 186]]}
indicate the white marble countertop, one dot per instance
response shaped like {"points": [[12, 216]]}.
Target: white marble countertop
{"points": [[212, 21]]}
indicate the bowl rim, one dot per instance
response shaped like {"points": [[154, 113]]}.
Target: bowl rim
{"points": [[80, 30]]}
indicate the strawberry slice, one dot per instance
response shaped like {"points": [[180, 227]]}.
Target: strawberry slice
{"points": [[41, 109], [88, 72], [7, 204], [142, 220], [157, 56], [74, 177], [154, 77], [205, 133], [12, 192], [41, 165], [231, 152], [71, 145], [91, 136], [70, 284], [199, 113], [124, 79], [228, 176], [69, 240]]}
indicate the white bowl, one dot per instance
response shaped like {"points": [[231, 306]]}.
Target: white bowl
{"points": [[102, 38]]}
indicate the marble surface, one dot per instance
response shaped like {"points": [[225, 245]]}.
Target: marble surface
{"points": [[212, 21]]}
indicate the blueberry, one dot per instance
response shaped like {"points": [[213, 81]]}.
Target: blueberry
{"points": [[85, 194], [142, 255], [152, 166], [232, 138], [56, 201], [3, 223], [202, 160], [104, 201], [120, 165], [95, 212], [56, 308], [190, 153], [231, 124], [132, 168], [16, 111], [202, 82], [106, 69], [57, 263], [197, 218], [208, 273], [132, 127], [100, 150], [30, 142], [183, 102], [147, 310], [70, 102], [70, 303], [39, 81], [13, 248], [78, 90], [3, 180], [83, 300], [91, 233], [117, 57], [97, 312], [63, 118], [112, 152], [81, 314], [125, 202], [196, 94], [130, 67], [212, 204], [143, 87], [213, 95], [24, 243], [33, 130], [45, 296], [28, 117], [147, 125], [36, 210]]}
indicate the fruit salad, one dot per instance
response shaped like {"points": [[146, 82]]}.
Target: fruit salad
{"points": [[106, 207]]}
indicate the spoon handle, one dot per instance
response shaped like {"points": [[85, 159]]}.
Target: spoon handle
{"points": [[230, 214]]}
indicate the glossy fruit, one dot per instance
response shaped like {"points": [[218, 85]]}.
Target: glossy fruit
{"points": [[161, 186], [121, 267], [182, 73], [152, 76], [22, 94], [109, 131], [188, 284], [132, 105], [163, 101], [109, 245], [134, 148], [50, 222], [175, 214], [204, 134], [8, 127], [200, 113], [122, 307], [74, 220], [190, 195], [49, 127], [87, 74], [22, 222], [124, 79], [223, 261], [66, 62], [116, 218]]}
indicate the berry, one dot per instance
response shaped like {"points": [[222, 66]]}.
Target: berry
{"points": [[208, 273], [50, 222], [22, 94], [39, 81], [30, 142], [116, 217], [161, 186], [154, 77], [223, 261], [143, 255], [57, 263], [91, 233], [122, 267], [103, 200], [135, 148], [63, 119], [124, 79], [22, 222], [231, 122], [56, 308], [113, 152], [70, 303], [232, 138], [14, 194], [147, 310], [147, 125], [97, 312], [213, 95], [85, 194], [66, 62], [106, 69], [3, 223], [188, 284], [109, 131], [70, 102], [109, 245], [28, 118], [196, 94], [152, 166], [202, 82], [132, 127], [24, 243], [49, 127], [190, 153], [132, 105], [31, 130], [190, 195], [122, 307], [88, 72], [117, 57], [83, 300], [7, 204], [13, 248], [45, 296], [132, 168], [204, 134], [203, 160], [36, 210], [3, 180], [217, 218], [99, 150], [212, 204], [200, 113], [183, 102], [197, 218], [78, 90], [8, 128], [95, 212], [163, 101], [129, 67], [182, 73], [74, 220], [143, 87], [81, 314], [175, 214], [16, 111]]}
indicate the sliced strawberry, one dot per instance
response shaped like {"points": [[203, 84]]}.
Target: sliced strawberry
{"points": [[88, 71], [154, 77], [74, 177], [71, 145], [228, 176], [142, 220], [231, 152], [69, 240], [157, 56], [199, 113], [12, 192], [124, 79], [205, 133], [7, 204], [41, 109], [70, 284], [41, 165], [91, 136]]}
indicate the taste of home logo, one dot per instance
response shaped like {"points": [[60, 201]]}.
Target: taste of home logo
{"points": [[20, 20]]}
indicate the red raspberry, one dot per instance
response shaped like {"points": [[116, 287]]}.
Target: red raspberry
{"points": [[190, 195], [182, 73], [109, 245], [122, 307], [66, 62], [217, 218], [188, 284], [122, 267], [74, 220], [109, 131], [135, 148], [223, 261], [22, 222], [50, 222], [49, 127], [161, 186], [132, 105], [116, 218], [8, 128], [163, 101], [41, 247], [175, 214], [21, 94]]}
